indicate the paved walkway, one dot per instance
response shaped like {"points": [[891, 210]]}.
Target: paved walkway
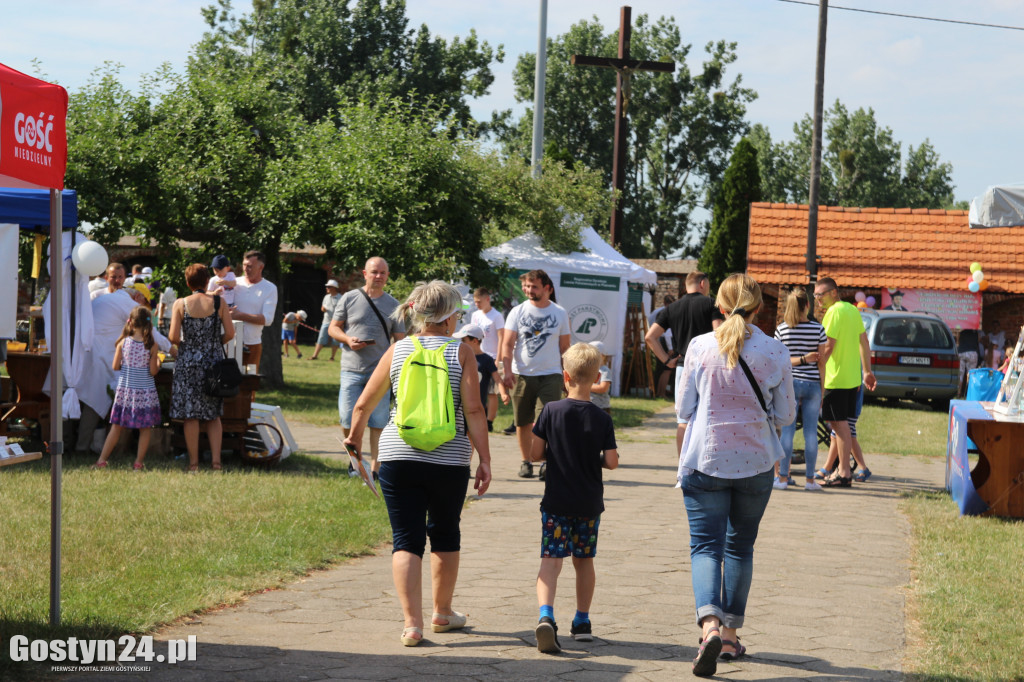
{"points": [[827, 601]]}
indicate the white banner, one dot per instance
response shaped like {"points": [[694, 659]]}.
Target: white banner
{"points": [[8, 280]]}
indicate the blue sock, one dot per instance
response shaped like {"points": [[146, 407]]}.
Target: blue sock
{"points": [[548, 611], [581, 617]]}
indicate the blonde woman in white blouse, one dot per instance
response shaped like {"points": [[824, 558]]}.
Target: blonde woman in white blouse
{"points": [[727, 459]]}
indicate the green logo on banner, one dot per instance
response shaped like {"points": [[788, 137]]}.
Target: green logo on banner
{"points": [[588, 322], [587, 325]]}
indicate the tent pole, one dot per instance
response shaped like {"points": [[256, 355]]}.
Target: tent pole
{"points": [[56, 446]]}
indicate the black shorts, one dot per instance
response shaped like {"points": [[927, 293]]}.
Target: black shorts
{"points": [[839, 404]]}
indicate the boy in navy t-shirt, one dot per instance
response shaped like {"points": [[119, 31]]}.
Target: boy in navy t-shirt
{"points": [[472, 335], [576, 438]]}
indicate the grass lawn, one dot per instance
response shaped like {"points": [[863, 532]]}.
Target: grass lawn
{"points": [[965, 618], [140, 550], [905, 428]]}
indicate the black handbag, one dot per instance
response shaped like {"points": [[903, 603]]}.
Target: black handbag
{"points": [[223, 378]]}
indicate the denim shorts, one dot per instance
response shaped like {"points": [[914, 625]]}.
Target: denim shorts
{"points": [[324, 339], [352, 385], [414, 491], [287, 334], [564, 536]]}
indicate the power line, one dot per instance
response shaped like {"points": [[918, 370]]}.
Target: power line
{"points": [[907, 16]]}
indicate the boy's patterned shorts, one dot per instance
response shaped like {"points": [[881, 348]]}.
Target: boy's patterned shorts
{"points": [[564, 536]]}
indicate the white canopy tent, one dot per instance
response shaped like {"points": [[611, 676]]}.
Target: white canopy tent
{"points": [[592, 285], [999, 206]]}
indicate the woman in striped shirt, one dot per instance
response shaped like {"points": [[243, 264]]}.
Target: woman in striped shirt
{"points": [[420, 484], [805, 339]]}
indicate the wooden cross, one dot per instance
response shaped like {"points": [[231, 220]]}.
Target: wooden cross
{"points": [[624, 66]]}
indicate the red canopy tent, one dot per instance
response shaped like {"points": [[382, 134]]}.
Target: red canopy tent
{"points": [[34, 154]]}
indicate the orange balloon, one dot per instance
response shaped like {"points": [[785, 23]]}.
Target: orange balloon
{"points": [[862, 304], [983, 284]]}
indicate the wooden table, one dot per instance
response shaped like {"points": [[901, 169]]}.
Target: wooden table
{"points": [[28, 373]]}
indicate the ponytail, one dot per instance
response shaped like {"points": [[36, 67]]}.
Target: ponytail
{"points": [[741, 296], [434, 301]]}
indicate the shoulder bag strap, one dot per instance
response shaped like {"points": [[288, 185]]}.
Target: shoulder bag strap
{"points": [[387, 331], [753, 383], [219, 325]]}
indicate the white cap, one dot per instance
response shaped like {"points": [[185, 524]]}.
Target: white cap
{"points": [[147, 270], [473, 330], [332, 283], [301, 314], [599, 345]]}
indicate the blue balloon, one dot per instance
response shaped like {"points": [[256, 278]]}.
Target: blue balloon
{"points": [[973, 287]]}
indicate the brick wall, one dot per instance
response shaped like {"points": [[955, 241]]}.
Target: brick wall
{"points": [[673, 285]]}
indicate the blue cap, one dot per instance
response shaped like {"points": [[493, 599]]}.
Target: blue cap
{"points": [[219, 262]]}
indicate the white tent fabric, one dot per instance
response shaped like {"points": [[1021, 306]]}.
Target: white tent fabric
{"points": [[999, 206], [73, 358], [592, 285]]}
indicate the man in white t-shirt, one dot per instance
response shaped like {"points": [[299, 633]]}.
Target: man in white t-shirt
{"points": [[536, 335], [492, 323], [115, 281], [255, 305]]}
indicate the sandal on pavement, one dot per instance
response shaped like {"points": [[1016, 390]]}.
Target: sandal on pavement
{"points": [[838, 482], [737, 650], [862, 475], [412, 636], [705, 663], [456, 621], [821, 474]]}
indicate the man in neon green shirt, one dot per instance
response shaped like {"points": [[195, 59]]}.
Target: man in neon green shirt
{"points": [[846, 354]]}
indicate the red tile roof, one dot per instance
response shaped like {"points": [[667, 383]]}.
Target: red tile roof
{"points": [[883, 247]]}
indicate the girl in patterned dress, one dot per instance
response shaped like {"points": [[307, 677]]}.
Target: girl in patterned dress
{"points": [[136, 405]]}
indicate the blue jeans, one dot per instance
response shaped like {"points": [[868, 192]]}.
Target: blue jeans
{"points": [[352, 385], [808, 401], [724, 515]]}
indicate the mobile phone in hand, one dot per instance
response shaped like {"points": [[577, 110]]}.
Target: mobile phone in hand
{"points": [[368, 342]]}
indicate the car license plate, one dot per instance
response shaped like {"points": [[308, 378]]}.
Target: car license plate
{"points": [[915, 360]]}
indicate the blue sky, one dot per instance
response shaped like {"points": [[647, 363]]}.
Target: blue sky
{"points": [[959, 86]]}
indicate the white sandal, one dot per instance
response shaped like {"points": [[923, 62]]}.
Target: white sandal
{"points": [[456, 621], [407, 636]]}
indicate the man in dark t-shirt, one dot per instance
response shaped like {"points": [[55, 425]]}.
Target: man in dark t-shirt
{"points": [[690, 316]]}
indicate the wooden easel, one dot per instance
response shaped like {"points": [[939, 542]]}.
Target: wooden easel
{"points": [[638, 371]]}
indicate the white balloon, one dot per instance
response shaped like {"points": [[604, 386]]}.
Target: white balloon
{"points": [[978, 275], [89, 258]]}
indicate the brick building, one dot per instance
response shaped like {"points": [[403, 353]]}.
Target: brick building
{"points": [[868, 249], [671, 277]]}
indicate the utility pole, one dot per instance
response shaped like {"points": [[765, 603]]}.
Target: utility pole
{"points": [[538, 90], [819, 99]]}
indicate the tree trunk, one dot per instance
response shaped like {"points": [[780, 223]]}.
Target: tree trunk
{"points": [[270, 363]]}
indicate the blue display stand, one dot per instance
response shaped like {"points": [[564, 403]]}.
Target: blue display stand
{"points": [[958, 469]]}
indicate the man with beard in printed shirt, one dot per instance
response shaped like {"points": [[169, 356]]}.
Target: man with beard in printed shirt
{"points": [[536, 335]]}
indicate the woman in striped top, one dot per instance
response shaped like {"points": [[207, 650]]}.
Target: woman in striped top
{"points": [[805, 339], [432, 485]]}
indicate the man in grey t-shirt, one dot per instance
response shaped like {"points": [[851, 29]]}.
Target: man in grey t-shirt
{"points": [[357, 326]]}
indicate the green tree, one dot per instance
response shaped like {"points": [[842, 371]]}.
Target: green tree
{"points": [[323, 51], [681, 126], [725, 250], [862, 165]]}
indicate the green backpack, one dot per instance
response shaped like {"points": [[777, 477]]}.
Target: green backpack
{"points": [[424, 406]]}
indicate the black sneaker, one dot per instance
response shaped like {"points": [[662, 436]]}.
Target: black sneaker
{"points": [[525, 470], [511, 430], [547, 636], [542, 474], [352, 473], [581, 632]]}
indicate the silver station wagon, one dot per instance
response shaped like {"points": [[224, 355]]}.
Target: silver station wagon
{"points": [[913, 356]]}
